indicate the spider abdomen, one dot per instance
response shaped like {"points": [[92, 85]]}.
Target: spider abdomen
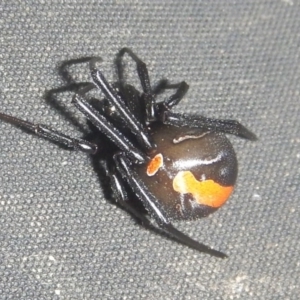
{"points": [[192, 172]]}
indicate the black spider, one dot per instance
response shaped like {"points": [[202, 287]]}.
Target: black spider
{"points": [[179, 166]]}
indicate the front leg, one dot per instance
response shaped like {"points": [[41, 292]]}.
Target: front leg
{"points": [[107, 128], [52, 135], [115, 100], [155, 209]]}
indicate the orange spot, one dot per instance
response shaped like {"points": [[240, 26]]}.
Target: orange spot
{"points": [[205, 192], [155, 163]]}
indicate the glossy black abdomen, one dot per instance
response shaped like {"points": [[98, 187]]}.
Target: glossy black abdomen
{"points": [[192, 172]]}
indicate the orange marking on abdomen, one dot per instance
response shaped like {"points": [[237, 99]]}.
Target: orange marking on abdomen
{"points": [[206, 192], [155, 163]]}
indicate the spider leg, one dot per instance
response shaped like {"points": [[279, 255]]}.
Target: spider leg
{"points": [[115, 100], [133, 101], [148, 97], [63, 68], [140, 67], [155, 209], [108, 110], [225, 126], [181, 89], [101, 122], [52, 135], [129, 93], [149, 94], [120, 195]]}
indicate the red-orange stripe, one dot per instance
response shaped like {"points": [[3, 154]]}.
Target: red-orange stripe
{"points": [[207, 192]]}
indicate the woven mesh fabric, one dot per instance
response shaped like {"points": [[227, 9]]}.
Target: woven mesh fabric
{"points": [[60, 238]]}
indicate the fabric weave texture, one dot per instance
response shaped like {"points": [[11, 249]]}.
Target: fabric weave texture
{"points": [[61, 238]]}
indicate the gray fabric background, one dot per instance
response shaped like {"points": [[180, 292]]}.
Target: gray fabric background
{"points": [[61, 239]]}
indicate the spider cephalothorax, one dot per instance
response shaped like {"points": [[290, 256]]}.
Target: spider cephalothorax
{"points": [[178, 166]]}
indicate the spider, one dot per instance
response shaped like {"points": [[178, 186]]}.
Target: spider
{"points": [[181, 167]]}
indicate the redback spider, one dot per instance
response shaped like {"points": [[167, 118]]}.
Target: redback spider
{"points": [[181, 167]]}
